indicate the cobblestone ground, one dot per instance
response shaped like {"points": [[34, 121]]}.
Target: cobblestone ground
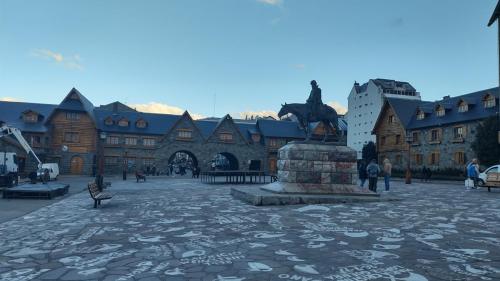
{"points": [[183, 230]]}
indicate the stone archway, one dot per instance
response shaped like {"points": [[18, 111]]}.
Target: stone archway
{"points": [[193, 159], [226, 161]]}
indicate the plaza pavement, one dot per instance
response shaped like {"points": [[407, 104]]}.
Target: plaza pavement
{"points": [[180, 229]]}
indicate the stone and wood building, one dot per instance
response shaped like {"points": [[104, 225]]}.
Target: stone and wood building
{"points": [[439, 134], [76, 135]]}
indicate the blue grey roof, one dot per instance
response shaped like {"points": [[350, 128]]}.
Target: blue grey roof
{"points": [[404, 109], [206, 127], [342, 123], [475, 111], [82, 104], [283, 129], [11, 114], [157, 124], [391, 84]]}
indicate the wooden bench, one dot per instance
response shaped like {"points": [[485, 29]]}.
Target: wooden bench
{"points": [[140, 176], [492, 181], [97, 195]]}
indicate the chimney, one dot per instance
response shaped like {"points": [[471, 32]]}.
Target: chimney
{"points": [[446, 97]]}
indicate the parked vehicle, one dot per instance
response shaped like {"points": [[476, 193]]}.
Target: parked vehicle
{"points": [[53, 169], [484, 174]]}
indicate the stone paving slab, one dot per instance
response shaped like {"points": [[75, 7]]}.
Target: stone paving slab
{"points": [[183, 230]]}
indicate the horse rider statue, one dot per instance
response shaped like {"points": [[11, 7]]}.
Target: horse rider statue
{"points": [[314, 102]]}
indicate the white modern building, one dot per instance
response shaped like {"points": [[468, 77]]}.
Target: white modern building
{"points": [[364, 105]]}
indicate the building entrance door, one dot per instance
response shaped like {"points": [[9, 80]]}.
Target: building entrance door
{"points": [[76, 166]]}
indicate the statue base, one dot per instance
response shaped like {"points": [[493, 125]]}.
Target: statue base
{"points": [[311, 172]]}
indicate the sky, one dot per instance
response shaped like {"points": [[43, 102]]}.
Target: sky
{"points": [[242, 57]]}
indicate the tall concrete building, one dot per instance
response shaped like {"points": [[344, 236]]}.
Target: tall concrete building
{"points": [[364, 105]]}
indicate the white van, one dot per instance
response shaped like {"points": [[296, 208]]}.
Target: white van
{"points": [[53, 170]]}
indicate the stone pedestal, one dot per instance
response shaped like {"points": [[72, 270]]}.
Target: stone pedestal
{"points": [[317, 168]]}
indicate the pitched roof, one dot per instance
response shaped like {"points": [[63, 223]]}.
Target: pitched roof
{"points": [[81, 103], [475, 111], [11, 114], [404, 109], [157, 124], [116, 106], [283, 129], [495, 15]]}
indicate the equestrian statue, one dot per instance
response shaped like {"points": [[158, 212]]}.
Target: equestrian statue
{"points": [[314, 110]]}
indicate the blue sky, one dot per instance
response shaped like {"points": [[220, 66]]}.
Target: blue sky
{"points": [[246, 55]]}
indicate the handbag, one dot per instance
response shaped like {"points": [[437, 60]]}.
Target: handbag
{"points": [[469, 183]]}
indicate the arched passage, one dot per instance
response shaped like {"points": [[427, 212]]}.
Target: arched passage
{"points": [[185, 157], [226, 161]]}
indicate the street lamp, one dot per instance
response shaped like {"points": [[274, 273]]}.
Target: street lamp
{"points": [[100, 163], [409, 140]]}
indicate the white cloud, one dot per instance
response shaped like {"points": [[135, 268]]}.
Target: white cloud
{"points": [[299, 66], [156, 107], [272, 2], [262, 113], [9, 99], [70, 62], [341, 109]]}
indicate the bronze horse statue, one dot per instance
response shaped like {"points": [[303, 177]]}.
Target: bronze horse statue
{"points": [[327, 115]]}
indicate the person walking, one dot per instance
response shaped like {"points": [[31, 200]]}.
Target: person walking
{"points": [[387, 173], [372, 170], [473, 172], [362, 174]]}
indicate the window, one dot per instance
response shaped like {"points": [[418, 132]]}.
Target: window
{"points": [[71, 137], [435, 135], [418, 159], [434, 158], [123, 122], [459, 157], [141, 123], [72, 116], [458, 133], [108, 121], [398, 139], [184, 134], [110, 160], [149, 142], [30, 117], [149, 161], [112, 140], [391, 119], [399, 159], [273, 142], [420, 115], [255, 137], [226, 137], [414, 138], [489, 101], [463, 107], [130, 141], [382, 141], [35, 141], [440, 111]]}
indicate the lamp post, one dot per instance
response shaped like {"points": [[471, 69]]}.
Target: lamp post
{"points": [[100, 162], [409, 140]]}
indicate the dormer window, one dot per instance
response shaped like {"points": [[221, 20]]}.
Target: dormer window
{"points": [[420, 115], [30, 117], [440, 111], [108, 121], [123, 122], [141, 123], [255, 137], [489, 101], [463, 107], [72, 116], [226, 137]]}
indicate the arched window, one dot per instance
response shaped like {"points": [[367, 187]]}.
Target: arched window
{"points": [[440, 111], [420, 114], [463, 106], [108, 121], [123, 122], [141, 123], [489, 101]]}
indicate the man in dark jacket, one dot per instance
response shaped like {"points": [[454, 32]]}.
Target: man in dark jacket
{"points": [[372, 170]]}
